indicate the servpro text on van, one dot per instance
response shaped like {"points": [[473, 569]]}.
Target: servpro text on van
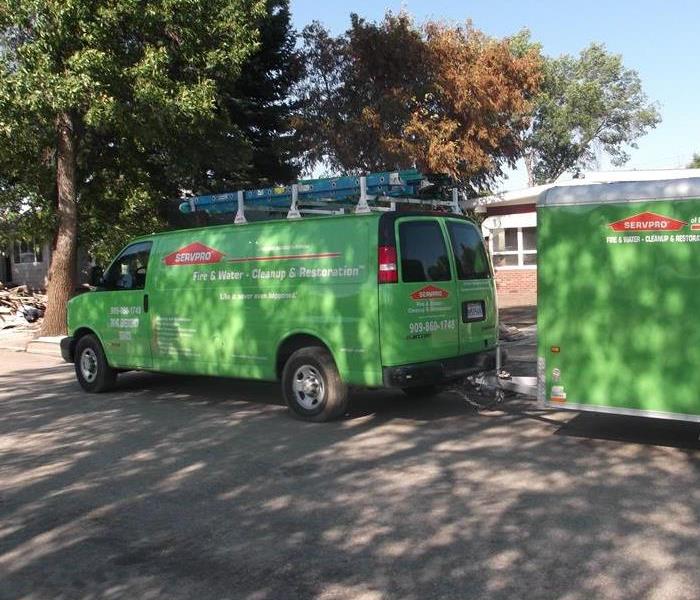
{"points": [[394, 299]]}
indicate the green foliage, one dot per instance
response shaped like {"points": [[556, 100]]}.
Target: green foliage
{"points": [[260, 100], [587, 103], [24, 213], [695, 163], [165, 96]]}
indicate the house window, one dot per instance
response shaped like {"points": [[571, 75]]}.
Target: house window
{"points": [[26, 252], [513, 247]]}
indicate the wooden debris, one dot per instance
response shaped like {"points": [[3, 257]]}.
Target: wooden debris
{"points": [[19, 303]]}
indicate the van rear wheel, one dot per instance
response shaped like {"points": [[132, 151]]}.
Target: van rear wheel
{"points": [[91, 367], [312, 385]]}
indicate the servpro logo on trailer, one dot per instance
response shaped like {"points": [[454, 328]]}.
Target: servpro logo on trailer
{"points": [[647, 221], [193, 254]]}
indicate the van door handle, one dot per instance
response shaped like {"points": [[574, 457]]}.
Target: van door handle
{"points": [[145, 303]]}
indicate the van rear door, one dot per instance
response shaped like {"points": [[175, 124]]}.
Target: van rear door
{"points": [[419, 309], [475, 288]]}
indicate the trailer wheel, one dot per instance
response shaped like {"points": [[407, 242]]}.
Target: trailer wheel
{"points": [[91, 367], [422, 391], [312, 385]]}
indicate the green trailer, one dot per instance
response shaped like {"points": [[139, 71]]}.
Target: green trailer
{"points": [[619, 298]]}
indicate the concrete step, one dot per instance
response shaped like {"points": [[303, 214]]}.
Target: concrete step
{"points": [[50, 345]]}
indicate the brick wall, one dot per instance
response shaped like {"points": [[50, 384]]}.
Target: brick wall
{"points": [[516, 287]]}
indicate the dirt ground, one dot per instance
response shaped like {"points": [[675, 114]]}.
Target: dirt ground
{"points": [[519, 316], [186, 487], [521, 353]]}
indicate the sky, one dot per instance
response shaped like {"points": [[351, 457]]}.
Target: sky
{"points": [[660, 40]]}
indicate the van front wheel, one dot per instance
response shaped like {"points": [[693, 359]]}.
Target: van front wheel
{"points": [[312, 385], [91, 367]]}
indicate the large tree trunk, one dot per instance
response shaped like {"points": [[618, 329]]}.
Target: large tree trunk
{"points": [[62, 270]]}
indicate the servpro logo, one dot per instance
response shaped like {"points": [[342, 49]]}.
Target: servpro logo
{"points": [[193, 254], [429, 292], [647, 221]]}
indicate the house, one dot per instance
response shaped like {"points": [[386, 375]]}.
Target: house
{"points": [[26, 262], [510, 229]]}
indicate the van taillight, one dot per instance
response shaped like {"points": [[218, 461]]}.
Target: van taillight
{"points": [[388, 272]]}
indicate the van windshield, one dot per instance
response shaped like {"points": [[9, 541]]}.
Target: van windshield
{"points": [[468, 248]]}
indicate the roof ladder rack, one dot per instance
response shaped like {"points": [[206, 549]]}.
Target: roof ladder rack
{"points": [[240, 211], [382, 191], [294, 208], [362, 206]]}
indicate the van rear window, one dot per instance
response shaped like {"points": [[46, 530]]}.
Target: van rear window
{"points": [[423, 252], [469, 251]]}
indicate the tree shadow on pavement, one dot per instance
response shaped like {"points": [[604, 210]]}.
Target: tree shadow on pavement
{"points": [[184, 487], [635, 430]]}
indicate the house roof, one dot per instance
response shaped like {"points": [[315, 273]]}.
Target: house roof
{"points": [[622, 191], [531, 195]]}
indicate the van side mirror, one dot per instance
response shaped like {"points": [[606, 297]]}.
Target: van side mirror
{"points": [[102, 284], [97, 276]]}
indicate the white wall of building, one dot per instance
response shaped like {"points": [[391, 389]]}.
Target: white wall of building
{"points": [[33, 273], [520, 230]]}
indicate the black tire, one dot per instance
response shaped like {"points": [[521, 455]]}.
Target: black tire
{"points": [[104, 376], [325, 396], [422, 391]]}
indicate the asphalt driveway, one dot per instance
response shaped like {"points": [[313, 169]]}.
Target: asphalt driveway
{"points": [[183, 487]]}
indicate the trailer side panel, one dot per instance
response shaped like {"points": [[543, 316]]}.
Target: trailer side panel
{"points": [[618, 303]]}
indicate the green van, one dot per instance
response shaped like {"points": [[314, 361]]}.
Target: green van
{"points": [[397, 299]]}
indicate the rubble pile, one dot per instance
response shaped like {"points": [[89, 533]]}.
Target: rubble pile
{"points": [[509, 333], [20, 305]]}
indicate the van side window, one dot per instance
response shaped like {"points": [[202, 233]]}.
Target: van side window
{"points": [[470, 255], [423, 252], [128, 271]]}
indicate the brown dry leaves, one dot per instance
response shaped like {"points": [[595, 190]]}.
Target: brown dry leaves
{"points": [[479, 103], [443, 98]]}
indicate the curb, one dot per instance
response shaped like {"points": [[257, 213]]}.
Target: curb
{"points": [[50, 346], [13, 348]]}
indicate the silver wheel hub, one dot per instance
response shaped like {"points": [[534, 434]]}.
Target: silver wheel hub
{"points": [[88, 365], [309, 387]]}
